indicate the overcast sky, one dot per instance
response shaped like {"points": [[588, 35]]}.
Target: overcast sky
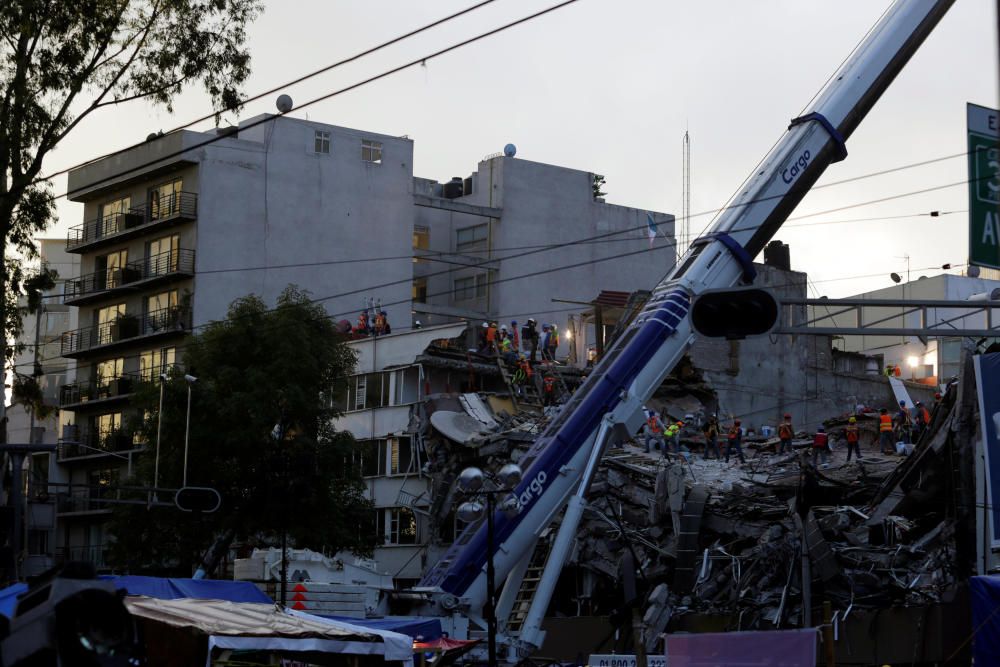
{"points": [[610, 87]]}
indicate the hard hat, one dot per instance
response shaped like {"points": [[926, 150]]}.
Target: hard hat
{"points": [[486, 325], [788, 416], [680, 423], [902, 404], [937, 395], [919, 403], [531, 320], [737, 422], [503, 327], [852, 420]]}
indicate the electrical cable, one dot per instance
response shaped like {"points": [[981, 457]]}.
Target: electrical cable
{"points": [[287, 84], [326, 96]]}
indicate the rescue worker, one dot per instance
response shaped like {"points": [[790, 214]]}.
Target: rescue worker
{"points": [[553, 342], [529, 337], [491, 338], [821, 446], [515, 336], [507, 351], [382, 324], [921, 420], [654, 431], [548, 390], [677, 437], [483, 343], [712, 437], [362, 328], [669, 433], [852, 436], [885, 432], [546, 334], [735, 441], [522, 375], [904, 423], [785, 434]]}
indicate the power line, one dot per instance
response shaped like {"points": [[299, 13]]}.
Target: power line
{"points": [[254, 98], [321, 98]]}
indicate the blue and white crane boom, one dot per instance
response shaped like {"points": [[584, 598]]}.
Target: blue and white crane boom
{"points": [[609, 405]]}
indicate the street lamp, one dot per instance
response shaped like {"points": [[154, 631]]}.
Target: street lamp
{"points": [[159, 429], [190, 379], [473, 484]]}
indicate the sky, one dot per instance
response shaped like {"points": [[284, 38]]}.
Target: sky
{"points": [[612, 88]]}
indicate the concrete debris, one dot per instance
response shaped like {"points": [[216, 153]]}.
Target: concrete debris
{"points": [[720, 540]]}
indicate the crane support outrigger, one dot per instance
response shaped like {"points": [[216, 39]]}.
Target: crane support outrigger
{"points": [[561, 464]]}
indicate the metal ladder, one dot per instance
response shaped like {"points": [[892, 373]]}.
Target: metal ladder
{"points": [[529, 584], [529, 387]]}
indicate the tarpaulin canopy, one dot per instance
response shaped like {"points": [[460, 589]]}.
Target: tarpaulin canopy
{"points": [[985, 597], [778, 648], [198, 589], [162, 589], [427, 629], [265, 627]]}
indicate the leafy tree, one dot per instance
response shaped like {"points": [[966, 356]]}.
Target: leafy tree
{"points": [[63, 61], [260, 434]]}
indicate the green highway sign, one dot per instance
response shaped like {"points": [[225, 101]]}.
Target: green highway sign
{"points": [[984, 186]]}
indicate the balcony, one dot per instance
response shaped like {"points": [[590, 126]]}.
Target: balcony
{"points": [[140, 274], [92, 444], [116, 227], [97, 394], [125, 329]]}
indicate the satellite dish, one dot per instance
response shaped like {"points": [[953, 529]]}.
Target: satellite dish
{"points": [[284, 103], [151, 136], [510, 150], [895, 277]]}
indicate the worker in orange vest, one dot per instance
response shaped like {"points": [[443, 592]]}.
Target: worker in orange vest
{"points": [[785, 434], [654, 431], [852, 436], [821, 445], [735, 441], [885, 432], [548, 390]]}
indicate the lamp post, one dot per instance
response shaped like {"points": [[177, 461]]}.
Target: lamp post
{"points": [[190, 379], [472, 482], [159, 430]]}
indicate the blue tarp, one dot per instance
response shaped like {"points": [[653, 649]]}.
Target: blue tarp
{"points": [[163, 589], [985, 595], [428, 629]]}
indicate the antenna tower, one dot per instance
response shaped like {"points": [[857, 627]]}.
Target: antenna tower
{"points": [[685, 235]]}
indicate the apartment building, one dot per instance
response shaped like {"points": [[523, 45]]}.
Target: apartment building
{"points": [[178, 227]]}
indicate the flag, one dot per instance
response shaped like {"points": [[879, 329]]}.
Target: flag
{"points": [[651, 228]]}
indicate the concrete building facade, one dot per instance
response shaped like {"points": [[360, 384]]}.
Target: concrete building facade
{"points": [[178, 227]]}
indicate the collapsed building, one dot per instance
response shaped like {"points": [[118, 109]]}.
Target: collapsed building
{"points": [[877, 550]]}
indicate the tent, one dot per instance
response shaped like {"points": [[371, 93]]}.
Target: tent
{"points": [[260, 627], [163, 589], [427, 629]]}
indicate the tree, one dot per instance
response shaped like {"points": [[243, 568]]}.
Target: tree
{"points": [[260, 434], [60, 62]]}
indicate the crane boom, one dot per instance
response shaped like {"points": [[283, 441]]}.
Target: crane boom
{"points": [[609, 405]]}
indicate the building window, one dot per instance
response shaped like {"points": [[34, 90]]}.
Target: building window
{"points": [[154, 362], [396, 525], [38, 542], [109, 269], [465, 288], [419, 292], [164, 200], [368, 391], [111, 215], [321, 142], [106, 319], [162, 255], [108, 370], [400, 456], [421, 242], [407, 386], [369, 458], [471, 238], [371, 151]]}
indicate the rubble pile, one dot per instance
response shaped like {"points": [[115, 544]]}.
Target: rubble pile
{"points": [[760, 545]]}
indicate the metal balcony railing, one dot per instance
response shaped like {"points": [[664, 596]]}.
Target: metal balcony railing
{"points": [[94, 390], [164, 320], [93, 443], [173, 262], [178, 206]]}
